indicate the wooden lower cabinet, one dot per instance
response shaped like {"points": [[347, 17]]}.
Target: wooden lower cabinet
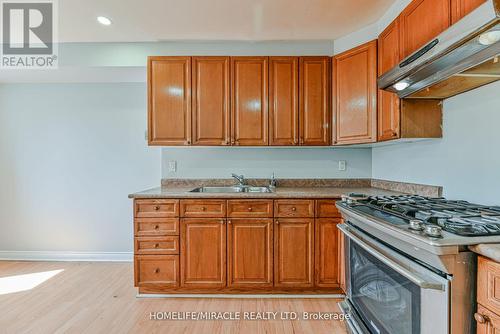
{"points": [[487, 321], [326, 252], [239, 246], [293, 252], [488, 296], [250, 252], [203, 253]]}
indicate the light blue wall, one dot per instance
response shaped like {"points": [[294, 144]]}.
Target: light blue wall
{"points": [[466, 162], [69, 156]]}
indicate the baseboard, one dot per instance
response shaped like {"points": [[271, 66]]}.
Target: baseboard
{"points": [[66, 256]]}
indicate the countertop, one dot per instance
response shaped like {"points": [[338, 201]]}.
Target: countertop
{"points": [[280, 192], [491, 251]]}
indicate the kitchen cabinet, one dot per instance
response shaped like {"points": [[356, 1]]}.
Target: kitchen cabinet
{"points": [[249, 111], [355, 95], [314, 98], [250, 252], [421, 21], [283, 101], [488, 296], [237, 245], [293, 252], [169, 108], [203, 253], [388, 103], [327, 247], [460, 8], [210, 101]]}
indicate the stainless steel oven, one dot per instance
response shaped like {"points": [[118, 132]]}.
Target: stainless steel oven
{"points": [[389, 292]]}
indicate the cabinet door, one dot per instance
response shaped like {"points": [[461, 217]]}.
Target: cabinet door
{"points": [[314, 115], [283, 100], [460, 8], [293, 252], [388, 103], [250, 252], [169, 100], [210, 101], [355, 76], [326, 252], [487, 321], [249, 114], [421, 22], [203, 253]]}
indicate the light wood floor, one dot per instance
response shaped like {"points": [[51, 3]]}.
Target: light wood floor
{"points": [[100, 298]]}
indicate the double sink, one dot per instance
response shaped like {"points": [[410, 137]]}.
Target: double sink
{"points": [[232, 189]]}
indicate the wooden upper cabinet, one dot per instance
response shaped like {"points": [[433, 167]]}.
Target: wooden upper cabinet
{"points": [[203, 253], [249, 90], [210, 101], [293, 252], [250, 252], [169, 96], [389, 55], [460, 8], [283, 100], [355, 82], [314, 97], [421, 22]]}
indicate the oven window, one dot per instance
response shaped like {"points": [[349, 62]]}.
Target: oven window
{"points": [[385, 300]]}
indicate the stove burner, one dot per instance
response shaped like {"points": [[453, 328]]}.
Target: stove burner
{"points": [[431, 215]]}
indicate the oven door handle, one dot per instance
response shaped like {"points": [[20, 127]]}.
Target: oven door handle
{"points": [[413, 277]]}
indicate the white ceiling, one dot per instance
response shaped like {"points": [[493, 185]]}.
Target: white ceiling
{"points": [[160, 20]]}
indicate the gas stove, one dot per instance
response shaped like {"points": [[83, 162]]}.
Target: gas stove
{"points": [[431, 216]]}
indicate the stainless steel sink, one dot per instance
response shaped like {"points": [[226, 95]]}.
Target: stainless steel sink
{"points": [[233, 189]]}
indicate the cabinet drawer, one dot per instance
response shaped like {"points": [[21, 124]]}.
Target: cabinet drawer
{"points": [[203, 208], [250, 208], [156, 269], [325, 208], [156, 208], [294, 208], [488, 284], [155, 226], [168, 245]]}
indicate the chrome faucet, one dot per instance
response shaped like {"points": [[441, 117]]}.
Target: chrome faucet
{"points": [[273, 182], [241, 179]]}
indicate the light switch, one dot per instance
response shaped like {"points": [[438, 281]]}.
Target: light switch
{"points": [[342, 165], [172, 166]]}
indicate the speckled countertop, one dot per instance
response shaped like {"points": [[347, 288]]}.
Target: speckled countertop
{"points": [[280, 192], [491, 251]]}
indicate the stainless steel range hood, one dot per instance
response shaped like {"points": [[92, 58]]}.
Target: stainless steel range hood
{"points": [[463, 57]]}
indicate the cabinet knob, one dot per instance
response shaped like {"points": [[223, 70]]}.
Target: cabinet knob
{"points": [[203, 209], [188, 142], [250, 208], [294, 209], [277, 222], [157, 208], [157, 245], [229, 222], [481, 319], [157, 227], [157, 270]]}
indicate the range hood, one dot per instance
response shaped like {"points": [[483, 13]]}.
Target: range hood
{"points": [[463, 57]]}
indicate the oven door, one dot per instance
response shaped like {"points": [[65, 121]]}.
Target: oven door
{"points": [[391, 293]]}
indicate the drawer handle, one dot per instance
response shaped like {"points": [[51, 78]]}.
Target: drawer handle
{"points": [[157, 245], [250, 208], [294, 209], [482, 319], [157, 208], [157, 227], [157, 270]]}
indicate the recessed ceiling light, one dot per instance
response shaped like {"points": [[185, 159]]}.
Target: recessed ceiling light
{"points": [[104, 20]]}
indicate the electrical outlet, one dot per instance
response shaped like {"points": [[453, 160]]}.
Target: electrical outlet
{"points": [[342, 165], [172, 166]]}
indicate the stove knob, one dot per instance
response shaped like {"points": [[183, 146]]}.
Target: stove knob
{"points": [[433, 231], [416, 225]]}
